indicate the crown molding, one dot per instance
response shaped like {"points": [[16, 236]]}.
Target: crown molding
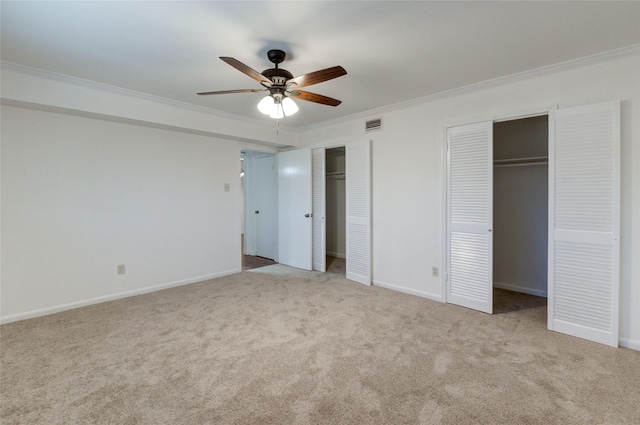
{"points": [[93, 85], [620, 53], [623, 52]]}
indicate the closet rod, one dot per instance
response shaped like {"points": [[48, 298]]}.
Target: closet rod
{"points": [[534, 160]]}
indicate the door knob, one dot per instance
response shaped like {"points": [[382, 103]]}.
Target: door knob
{"points": [[307, 215], [257, 212]]}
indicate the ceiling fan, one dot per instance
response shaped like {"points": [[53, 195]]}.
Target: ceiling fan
{"points": [[282, 85]]}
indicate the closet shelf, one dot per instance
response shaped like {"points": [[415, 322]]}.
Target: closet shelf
{"points": [[532, 160]]}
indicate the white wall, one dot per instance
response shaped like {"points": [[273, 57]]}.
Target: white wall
{"points": [[408, 168], [80, 196], [520, 225]]}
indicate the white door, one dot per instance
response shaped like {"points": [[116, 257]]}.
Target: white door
{"points": [[319, 210], [358, 206], [584, 222], [265, 206], [470, 216], [294, 208]]}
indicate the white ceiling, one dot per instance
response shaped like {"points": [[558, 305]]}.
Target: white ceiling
{"points": [[393, 51]]}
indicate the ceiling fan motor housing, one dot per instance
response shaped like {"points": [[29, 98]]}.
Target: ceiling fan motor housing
{"points": [[277, 76]]}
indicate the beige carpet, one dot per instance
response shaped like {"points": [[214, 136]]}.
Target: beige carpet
{"points": [[283, 346]]}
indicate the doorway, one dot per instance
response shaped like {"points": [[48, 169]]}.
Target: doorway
{"points": [[301, 217], [259, 210], [520, 215], [336, 231]]}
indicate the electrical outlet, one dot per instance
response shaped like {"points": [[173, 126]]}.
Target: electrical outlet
{"points": [[434, 271], [121, 269]]}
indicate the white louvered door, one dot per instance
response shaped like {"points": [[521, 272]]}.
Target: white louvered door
{"points": [[470, 216], [584, 223], [318, 168], [358, 205]]}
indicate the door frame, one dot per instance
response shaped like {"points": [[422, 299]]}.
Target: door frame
{"points": [[319, 210], [249, 198], [327, 147]]}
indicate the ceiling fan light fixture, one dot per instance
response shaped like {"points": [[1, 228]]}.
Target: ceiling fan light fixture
{"points": [[289, 106], [266, 105], [277, 112]]}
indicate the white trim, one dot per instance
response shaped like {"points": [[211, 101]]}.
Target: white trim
{"points": [[632, 344], [551, 200], [112, 297], [422, 294], [444, 267], [628, 51], [522, 289]]}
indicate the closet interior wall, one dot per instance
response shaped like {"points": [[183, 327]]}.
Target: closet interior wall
{"points": [[520, 205], [336, 203]]}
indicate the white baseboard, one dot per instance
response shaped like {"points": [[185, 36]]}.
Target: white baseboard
{"points": [[516, 288], [336, 254], [629, 343], [112, 297], [409, 291]]}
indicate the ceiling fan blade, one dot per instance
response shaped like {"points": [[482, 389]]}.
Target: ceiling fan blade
{"points": [[317, 98], [248, 71], [317, 77], [232, 91]]}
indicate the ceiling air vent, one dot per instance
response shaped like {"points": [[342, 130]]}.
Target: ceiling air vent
{"points": [[373, 125]]}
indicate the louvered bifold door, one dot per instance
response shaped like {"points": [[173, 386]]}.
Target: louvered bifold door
{"points": [[358, 188], [585, 222], [318, 168], [470, 216]]}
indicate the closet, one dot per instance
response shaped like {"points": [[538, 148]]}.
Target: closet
{"points": [[520, 205], [582, 215], [341, 210], [335, 203]]}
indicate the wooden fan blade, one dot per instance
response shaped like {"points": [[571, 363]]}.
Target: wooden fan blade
{"points": [[248, 71], [204, 93], [317, 77], [317, 98]]}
